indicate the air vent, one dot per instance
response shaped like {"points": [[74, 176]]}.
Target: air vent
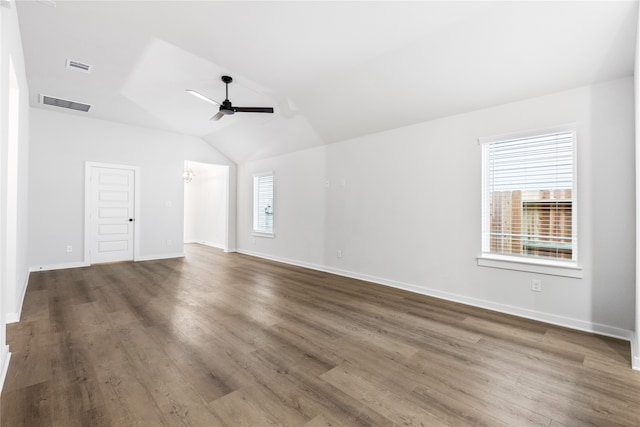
{"points": [[57, 102], [78, 66]]}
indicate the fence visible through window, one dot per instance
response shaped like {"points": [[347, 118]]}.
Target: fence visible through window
{"points": [[534, 223]]}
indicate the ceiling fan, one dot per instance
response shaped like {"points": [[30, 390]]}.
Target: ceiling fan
{"points": [[226, 108]]}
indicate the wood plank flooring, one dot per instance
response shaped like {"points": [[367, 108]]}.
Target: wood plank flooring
{"points": [[218, 339]]}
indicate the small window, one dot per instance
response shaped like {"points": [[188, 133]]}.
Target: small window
{"points": [[263, 204], [529, 197]]}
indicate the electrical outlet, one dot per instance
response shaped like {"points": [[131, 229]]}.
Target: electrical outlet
{"points": [[168, 242], [69, 248], [536, 285]]}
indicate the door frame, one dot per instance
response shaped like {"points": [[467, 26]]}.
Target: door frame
{"points": [[88, 235], [226, 246]]}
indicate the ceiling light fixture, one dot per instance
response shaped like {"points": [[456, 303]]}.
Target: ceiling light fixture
{"points": [[188, 174]]}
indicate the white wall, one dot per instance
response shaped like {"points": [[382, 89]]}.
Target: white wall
{"points": [[60, 145], [298, 208], [13, 178], [635, 344], [403, 206], [205, 205]]}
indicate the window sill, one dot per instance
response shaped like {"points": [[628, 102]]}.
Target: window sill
{"points": [[553, 268], [263, 234]]}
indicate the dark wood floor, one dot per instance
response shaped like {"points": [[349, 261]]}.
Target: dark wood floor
{"points": [[226, 339]]}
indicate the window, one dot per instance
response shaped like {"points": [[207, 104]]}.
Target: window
{"points": [[263, 204], [529, 189]]}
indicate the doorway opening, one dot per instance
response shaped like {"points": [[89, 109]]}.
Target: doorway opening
{"points": [[206, 204]]}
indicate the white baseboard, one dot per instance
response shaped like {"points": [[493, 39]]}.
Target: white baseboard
{"points": [[161, 256], [212, 245], [85, 264], [14, 317], [635, 352], [553, 319], [5, 358], [58, 266], [283, 260]]}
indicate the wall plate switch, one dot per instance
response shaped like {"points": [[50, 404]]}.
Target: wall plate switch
{"points": [[536, 285], [69, 248], [339, 253]]}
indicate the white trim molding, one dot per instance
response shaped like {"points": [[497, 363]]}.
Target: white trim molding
{"points": [[635, 357], [15, 316], [635, 344], [5, 358], [581, 325], [64, 266], [161, 256], [211, 245], [81, 264], [530, 265], [553, 319], [283, 260]]}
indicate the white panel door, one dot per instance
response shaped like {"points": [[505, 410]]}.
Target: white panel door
{"points": [[112, 214]]}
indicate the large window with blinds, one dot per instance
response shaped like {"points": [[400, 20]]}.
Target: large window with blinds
{"points": [[529, 196], [263, 204]]}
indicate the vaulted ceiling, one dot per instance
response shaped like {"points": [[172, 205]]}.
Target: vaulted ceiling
{"points": [[332, 70]]}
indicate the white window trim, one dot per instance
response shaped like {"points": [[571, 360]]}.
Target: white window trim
{"points": [[261, 233], [569, 268], [531, 265]]}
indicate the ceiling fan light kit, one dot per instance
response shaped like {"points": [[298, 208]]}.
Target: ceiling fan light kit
{"points": [[226, 107]]}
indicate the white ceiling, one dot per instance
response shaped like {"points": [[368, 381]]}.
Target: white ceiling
{"points": [[332, 70]]}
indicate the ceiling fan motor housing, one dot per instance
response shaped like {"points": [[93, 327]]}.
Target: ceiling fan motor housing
{"points": [[226, 108]]}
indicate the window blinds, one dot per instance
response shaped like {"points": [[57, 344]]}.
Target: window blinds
{"points": [[529, 196], [263, 204]]}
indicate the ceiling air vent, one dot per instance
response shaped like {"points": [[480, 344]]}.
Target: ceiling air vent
{"points": [[57, 102], [78, 66]]}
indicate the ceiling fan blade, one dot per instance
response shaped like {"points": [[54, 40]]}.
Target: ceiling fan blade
{"points": [[253, 109], [201, 96], [218, 116]]}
